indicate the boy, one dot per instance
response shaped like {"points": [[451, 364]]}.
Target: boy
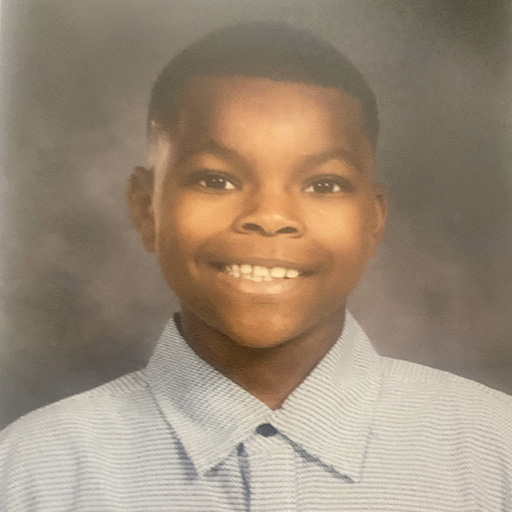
{"points": [[263, 393]]}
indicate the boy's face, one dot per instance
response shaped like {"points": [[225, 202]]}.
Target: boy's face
{"points": [[261, 206]]}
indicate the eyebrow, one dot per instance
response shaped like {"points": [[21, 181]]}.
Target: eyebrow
{"points": [[214, 148], [333, 154]]}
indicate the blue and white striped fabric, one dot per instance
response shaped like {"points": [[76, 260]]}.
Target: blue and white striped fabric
{"points": [[361, 433]]}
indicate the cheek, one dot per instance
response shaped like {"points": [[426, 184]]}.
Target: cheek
{"points": [[188, 222], [344, 229]]}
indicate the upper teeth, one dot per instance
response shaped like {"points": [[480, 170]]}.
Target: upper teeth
{"points": [[258, 273]]}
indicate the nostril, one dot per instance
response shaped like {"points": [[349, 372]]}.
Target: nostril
{"points": [[287, 230], [250, 226], [268, 230]]}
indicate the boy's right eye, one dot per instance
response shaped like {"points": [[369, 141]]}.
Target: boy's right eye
{"points": [[213, 181]]}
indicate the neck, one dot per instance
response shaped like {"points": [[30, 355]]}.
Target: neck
{"points": [[270, 374]]}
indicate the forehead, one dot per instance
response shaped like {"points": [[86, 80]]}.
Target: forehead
{"points": [[227, 103], [269, 124]]}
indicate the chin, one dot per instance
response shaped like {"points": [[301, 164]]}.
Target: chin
{"points": [[267, 334]]}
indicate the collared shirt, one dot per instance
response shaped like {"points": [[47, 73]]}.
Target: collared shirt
{"points": [[361, 433]]}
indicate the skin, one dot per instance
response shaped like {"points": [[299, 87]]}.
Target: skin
{"points": [[261, 172]]}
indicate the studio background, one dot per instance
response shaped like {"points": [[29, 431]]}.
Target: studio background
{"points": [[82, 303]]}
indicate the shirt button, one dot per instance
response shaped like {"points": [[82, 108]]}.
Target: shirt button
{"points": [[266, 430]]}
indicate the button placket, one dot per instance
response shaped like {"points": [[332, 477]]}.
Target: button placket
{"points": [[271, 461]]}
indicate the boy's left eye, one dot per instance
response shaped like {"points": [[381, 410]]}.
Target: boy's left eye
{"points": [[327, 185]]}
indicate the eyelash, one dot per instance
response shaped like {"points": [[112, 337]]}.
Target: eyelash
{"points": [[333, 181], [209, 179]]}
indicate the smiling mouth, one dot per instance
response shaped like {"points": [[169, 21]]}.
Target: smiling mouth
{"points": [[259, 273]]}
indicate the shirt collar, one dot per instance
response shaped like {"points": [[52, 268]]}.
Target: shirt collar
{"points": [[328, 415], [209, 413]]}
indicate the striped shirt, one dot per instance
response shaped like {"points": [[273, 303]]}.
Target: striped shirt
{"points": [[361, 433]]}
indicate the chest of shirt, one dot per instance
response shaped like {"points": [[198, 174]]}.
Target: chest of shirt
{"points": [[260, 475]]}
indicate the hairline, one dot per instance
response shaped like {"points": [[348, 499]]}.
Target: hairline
{"points": [[154, 127]]}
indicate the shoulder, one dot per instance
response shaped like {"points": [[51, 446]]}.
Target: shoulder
{"points": [[78, 419], [446, 400], [444, 427], [83, 446], [405, 374]]}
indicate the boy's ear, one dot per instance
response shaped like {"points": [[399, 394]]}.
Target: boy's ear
{"points": [[381, 213], [140, 200]]}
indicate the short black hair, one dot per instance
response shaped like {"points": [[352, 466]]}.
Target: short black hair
{"points": [[265, 50]]}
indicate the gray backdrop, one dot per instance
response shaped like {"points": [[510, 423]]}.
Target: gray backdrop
{"points": [[83, 303]]}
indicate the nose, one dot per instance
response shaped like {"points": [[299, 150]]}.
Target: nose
{"points": [[270, 215]]}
